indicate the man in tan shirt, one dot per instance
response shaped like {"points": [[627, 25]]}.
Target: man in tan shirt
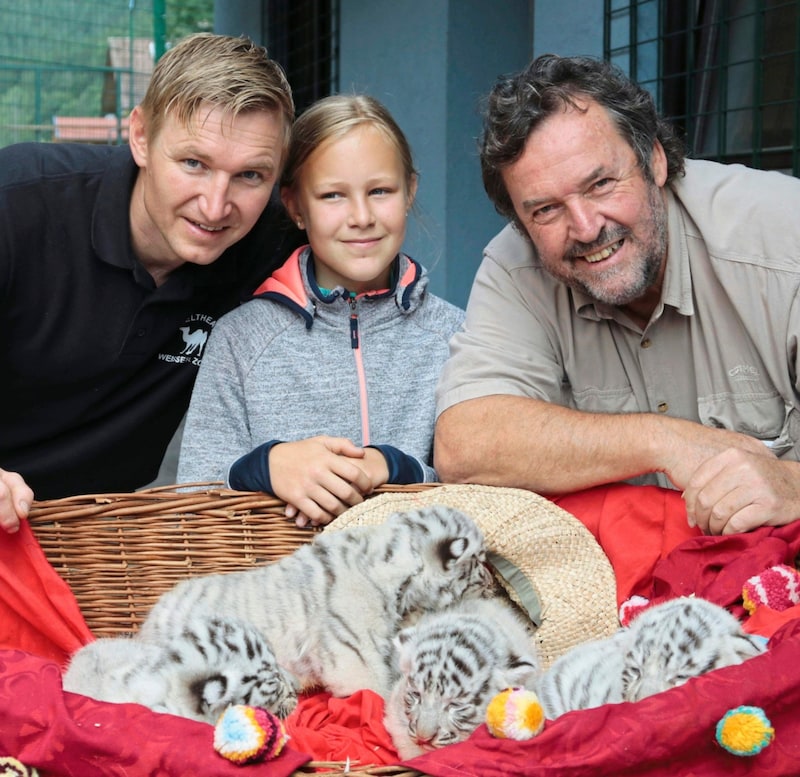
{"points": [[637, 320]]}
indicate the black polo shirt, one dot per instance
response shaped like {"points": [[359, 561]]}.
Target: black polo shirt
{"points": [[96, 362]]}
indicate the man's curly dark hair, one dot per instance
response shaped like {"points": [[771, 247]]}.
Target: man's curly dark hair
{"points": [[519, 103]]}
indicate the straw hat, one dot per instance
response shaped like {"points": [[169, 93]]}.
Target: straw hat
{"points": [[546, 559]]}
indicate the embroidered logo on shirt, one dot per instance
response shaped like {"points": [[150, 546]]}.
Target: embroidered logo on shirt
{"points": [[190, 340], [194, 339], [743, 372]]}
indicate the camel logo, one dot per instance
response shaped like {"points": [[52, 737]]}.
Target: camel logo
{"points": [[194, 340], [189, 342]]}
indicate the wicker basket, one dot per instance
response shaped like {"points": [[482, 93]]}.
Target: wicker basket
{"points": [[120, 552]]}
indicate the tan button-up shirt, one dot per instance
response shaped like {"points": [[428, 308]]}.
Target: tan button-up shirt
{"points": [[720, 348]]}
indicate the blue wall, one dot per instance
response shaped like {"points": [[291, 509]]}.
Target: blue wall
{"points": [[568, 28], [430, 68], [431, 63]]}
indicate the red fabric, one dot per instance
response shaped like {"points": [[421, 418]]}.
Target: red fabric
{"points": [[66, 734], [766, 621], [654, 554], [38, 612], [337, 729], [637, 526], [717, 568]]}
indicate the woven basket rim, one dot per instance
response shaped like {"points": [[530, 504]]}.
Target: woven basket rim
{"points": [[118, 551], [171, 497]]}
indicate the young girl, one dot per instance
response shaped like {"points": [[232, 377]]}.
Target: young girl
{"points": [[322, 387]]}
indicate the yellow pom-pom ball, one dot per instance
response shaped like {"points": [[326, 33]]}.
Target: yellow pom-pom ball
{"points": [[745, 731], [515, 713]]}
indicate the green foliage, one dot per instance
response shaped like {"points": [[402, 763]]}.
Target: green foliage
{"points": [[188, 16], [53, 55]]}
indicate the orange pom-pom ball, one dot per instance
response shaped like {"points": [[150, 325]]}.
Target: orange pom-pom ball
{"points": [[515, 713], [745, 731]]}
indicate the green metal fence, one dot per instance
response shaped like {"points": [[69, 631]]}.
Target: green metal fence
{"points": [[727, 73], [73, 69]]}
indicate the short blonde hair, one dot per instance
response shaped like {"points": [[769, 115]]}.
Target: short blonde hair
{"points": [[231, 73], [332, 118]]}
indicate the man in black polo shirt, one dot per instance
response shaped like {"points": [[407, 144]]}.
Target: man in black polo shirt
{"points": [[115, 263]]}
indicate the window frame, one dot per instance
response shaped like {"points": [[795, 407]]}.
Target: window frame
{"points": [[712, 68]]}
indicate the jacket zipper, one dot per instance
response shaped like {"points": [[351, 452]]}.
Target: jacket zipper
{"points": [[355, 344]]}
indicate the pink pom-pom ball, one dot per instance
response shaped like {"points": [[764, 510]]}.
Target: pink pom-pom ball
{"points": [[632, 607], [777, 588]]}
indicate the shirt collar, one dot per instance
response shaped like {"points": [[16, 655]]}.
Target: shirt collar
{"points": [[111, 233], [677, 291]]}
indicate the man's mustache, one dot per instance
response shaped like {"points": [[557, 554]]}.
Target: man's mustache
{"points": [[606, 237]]}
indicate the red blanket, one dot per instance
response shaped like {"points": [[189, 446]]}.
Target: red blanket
{"points": [[654, 554]]}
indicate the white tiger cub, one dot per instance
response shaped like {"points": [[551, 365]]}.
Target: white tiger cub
{"points": [[451, 665], [587, 675], [212, 663], [331, 609], [664, 646]]}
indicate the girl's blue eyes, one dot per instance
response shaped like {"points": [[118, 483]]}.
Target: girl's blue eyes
{"points": [[335, 195]]}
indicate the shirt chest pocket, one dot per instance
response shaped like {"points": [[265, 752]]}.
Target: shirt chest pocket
{"points": [[766, 417], [592, 399]]}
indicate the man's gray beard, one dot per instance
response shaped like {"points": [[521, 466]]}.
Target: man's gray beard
{"points": [[655, 252]]}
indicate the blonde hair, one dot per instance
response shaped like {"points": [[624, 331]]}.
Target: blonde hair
{"points": [[232, 73], [332, 118]]}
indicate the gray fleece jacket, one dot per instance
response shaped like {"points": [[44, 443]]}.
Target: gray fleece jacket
{"points": [[294, 363]]}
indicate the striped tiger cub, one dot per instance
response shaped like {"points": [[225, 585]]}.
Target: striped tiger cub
{"points": [[331, 609], [665, 645], [451, 664], [211, 663]]}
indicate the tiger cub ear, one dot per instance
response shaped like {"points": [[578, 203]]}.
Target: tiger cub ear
{"points": [[518, 672], [748, 645], [452, 550], [444, 536]]}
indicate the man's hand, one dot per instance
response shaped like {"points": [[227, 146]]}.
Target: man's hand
{"points": [[738, 490], [684, 446], [318, 478], [731, 482], [15, 500]]}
